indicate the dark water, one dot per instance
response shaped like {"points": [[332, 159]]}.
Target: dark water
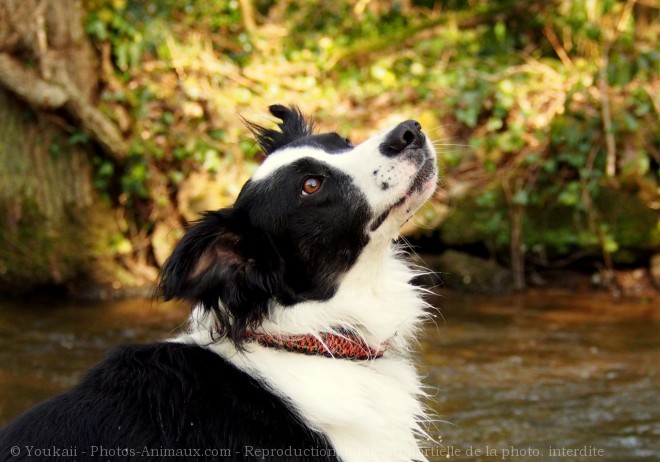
{"points": [[546, 376], [540, 377]]}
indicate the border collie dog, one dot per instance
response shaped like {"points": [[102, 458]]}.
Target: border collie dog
{"points": [[304, 314]]}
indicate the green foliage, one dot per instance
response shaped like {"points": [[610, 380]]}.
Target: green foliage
{"points": [[136, 175], [135, 28], [479, 219], [511, 92], [560, 154]]}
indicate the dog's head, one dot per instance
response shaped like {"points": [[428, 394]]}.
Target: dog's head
{"points": [[301, 222]]}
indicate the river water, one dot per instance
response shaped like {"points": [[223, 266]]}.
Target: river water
{"points": [[545, 376]]}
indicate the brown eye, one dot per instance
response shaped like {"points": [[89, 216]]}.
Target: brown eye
{"points": [[311, 185]]}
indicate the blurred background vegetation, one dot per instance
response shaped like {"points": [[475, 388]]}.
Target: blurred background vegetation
{"points": [[120, 120]]}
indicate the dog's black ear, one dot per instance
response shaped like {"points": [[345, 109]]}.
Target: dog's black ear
{"points": [[222, 266], [294, 126]]}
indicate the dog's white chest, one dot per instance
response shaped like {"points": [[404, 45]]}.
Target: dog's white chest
{"points": [[369, 411]]}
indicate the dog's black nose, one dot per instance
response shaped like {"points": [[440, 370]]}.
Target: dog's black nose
{"points": [[407, 134]]}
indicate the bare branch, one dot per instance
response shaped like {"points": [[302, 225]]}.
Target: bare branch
{"points": [[247, 10], [610, 143], [559, 49], [28, 85]]}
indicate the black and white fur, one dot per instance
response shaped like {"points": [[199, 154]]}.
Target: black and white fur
{"points": [[279, 261]]}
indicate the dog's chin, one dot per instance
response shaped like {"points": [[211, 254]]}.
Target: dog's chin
{"points": [[421, 189]]}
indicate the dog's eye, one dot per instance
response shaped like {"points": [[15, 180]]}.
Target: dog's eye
{"points": [[311, 185], [348, 142]]}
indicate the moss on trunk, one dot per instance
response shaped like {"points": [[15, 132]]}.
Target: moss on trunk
{"points": [[53, 228]]}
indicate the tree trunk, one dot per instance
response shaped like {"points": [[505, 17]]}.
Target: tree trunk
{"points": [[53, 227]]}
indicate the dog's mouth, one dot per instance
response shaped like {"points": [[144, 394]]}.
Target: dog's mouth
{"points": [[418, 188], [426, 172]]}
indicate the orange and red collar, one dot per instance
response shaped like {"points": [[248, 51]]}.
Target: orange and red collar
{"points": [[333, 345]]}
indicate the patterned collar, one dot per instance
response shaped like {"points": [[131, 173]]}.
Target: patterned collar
{"points": [[343, 345]]}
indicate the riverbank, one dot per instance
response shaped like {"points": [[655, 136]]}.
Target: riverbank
{"points": [[468, 273], [451, 270]]}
